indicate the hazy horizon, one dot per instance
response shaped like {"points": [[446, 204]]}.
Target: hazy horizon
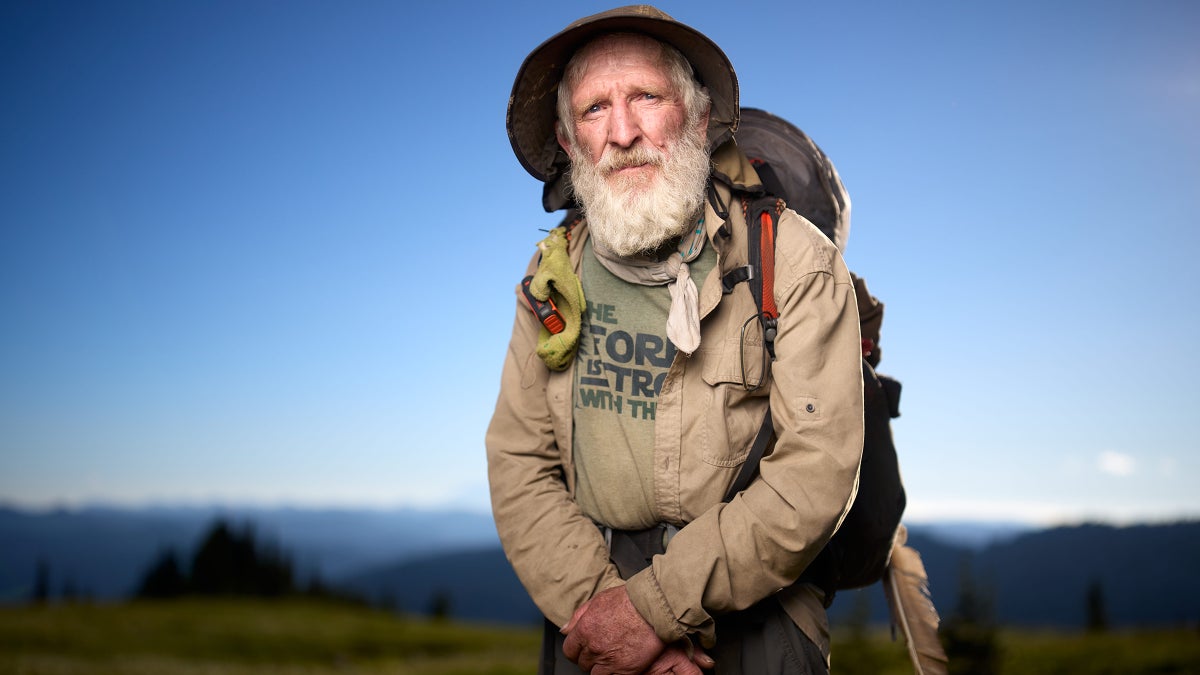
{"points": [[1030, 518]]}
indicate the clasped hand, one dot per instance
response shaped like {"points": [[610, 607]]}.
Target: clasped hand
{"points": [[607, 636]]}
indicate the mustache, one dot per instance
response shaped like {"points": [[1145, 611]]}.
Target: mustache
{"points": [[615, 159]]}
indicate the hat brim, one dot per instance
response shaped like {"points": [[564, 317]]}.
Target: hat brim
{"points": [[534, 99]]}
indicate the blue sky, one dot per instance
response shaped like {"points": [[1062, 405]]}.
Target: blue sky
{"points": [[264, 252]]}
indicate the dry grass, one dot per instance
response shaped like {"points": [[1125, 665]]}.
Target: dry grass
{"points": [[241, 637]]}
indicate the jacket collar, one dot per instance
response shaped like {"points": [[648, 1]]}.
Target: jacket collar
{"points": [[732, 168], [732, 175]]}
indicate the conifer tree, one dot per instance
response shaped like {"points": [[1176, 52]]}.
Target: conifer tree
{"points": [[1097, 614], [164, 578], [969, 636]]}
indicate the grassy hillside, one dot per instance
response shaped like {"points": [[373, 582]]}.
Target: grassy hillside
{"points": [[239, 637], [243, 636]]}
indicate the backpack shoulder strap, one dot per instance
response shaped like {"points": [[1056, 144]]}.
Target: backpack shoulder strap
{"points": [[750, 466], [762, 214]]}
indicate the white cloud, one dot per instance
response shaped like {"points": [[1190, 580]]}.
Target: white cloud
{"points": [[1116, 464], [987, 510], [1046, 513]]}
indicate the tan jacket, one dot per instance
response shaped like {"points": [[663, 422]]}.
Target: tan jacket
{"points": [[728, 556]]}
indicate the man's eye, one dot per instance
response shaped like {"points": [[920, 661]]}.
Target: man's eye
{"points": [[649, 97], [594, 108]]}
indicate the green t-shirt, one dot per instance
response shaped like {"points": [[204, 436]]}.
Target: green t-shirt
{"points": [[623, 358]]}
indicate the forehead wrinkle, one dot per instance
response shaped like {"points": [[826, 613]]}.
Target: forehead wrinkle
{"points": [[612, 49]]}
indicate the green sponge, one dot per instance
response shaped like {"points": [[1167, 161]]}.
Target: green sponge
{"points": [[556, 281]]}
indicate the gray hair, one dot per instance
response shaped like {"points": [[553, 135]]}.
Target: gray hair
{"points": [[679, 73]]}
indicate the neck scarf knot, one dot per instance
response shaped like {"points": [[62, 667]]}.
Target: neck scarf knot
{"points": [[683, 319]]}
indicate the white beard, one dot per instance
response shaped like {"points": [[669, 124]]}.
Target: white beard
{"points": [[638, 215]]}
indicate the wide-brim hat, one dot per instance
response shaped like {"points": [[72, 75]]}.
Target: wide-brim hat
{"points": [[532, 107]]}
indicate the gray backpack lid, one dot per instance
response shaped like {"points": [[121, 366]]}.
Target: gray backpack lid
{"points": [[797, 170]]}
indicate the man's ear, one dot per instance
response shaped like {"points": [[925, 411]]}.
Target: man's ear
{"points": [[562, 138], [703, 122]]}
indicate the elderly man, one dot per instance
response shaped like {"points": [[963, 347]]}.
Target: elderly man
{"points": [[614, 441]]}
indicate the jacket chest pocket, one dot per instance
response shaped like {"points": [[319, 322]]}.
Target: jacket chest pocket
{"points": [[737, 381]]}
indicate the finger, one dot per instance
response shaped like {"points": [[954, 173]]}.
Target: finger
{"points": [[572, 646], [587, 663], [702, 659], [673, 660], [685, 667]]}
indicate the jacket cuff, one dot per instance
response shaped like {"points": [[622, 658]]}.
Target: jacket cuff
{"points": [[648, 599]]}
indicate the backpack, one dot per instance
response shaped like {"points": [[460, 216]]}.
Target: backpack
{"points": [[796, 172]]}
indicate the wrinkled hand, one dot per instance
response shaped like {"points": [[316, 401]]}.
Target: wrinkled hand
{"points": [[607, 636]]}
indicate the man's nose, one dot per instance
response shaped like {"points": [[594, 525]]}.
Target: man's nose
{"points": [[625, 127]]}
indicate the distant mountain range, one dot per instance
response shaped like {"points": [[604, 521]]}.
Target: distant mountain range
{"points": [[101, 552], [412, 560]]}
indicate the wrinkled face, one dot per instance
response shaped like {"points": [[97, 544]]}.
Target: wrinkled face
{"points": [[639, 159], [624, 110]]}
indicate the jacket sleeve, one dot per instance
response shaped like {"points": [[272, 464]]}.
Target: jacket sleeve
{"points": [[735, 554], [558, 554]]}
